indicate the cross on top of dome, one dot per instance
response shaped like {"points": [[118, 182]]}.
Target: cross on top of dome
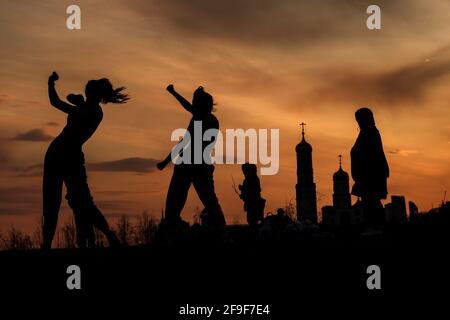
{"points": [[303, 129], [303, 145]]}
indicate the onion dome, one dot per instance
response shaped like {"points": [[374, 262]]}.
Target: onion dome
{"points": [[340, 174], [303, 146]]}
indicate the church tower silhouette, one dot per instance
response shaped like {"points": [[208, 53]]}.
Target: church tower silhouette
{"points": [[341, 189], [305, 187]]}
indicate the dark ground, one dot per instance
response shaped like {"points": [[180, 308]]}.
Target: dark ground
{"points": [[294, 276]]}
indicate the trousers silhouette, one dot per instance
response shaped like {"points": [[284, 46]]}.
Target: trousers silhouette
{"points": [[69, 169], [201, 176]]}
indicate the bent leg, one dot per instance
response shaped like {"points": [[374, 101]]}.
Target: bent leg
{"points": [[99, 221], [204, 185], [177, 194], [87, 215]]}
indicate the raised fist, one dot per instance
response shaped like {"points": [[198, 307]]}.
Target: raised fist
{"points": [[170, 88], [54, 76]]}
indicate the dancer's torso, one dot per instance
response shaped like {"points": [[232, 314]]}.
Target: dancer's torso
{"points": [[81, 125], [208, 122]]}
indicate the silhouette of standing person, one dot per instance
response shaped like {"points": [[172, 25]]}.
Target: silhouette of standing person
{"points": [[198, 174], [64, 162], [369, 169]]}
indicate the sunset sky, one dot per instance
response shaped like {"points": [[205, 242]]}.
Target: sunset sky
{"points": [[268, 64]]}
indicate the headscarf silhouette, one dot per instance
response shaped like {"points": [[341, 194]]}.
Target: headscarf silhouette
{"points": [[369, 167]]}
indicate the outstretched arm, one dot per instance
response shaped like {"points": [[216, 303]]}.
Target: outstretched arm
{"points": [[180, 147], [54, 98], [161, 165], [184, 103]]}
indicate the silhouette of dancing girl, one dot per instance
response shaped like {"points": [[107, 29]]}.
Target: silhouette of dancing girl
{"points": [[200, 174], [370, 169], [64, 162]]}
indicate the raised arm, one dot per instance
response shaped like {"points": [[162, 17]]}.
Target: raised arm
{"points": [[54, 98], [184, 103]]}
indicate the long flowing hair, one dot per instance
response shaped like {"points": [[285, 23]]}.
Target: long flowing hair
{"points": [[105, 91]]}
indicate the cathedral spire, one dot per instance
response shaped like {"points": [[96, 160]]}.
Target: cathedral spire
{"points": [[305, 187], [341, 191], [303, 130]]}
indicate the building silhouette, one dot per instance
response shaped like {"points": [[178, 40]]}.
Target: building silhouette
{"points": [[305, 187], [413, 210], [341, 213], [341, 188]]}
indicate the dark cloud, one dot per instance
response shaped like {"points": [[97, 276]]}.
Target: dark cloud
{"points": [[407, 83], [288, 22], [412, 81], [402, 152], [19, 200], [138, 165], [30, 171], [35, 135], [19, 194], [4, 152], [278, 22]]}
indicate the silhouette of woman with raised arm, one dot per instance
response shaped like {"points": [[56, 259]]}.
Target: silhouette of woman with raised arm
{"points": [[198, 174], [64, 162], [370, 169]]}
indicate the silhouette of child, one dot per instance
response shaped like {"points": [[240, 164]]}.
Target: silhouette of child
{"points": [[251, 195]]}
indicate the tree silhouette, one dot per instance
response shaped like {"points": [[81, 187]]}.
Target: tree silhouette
{"points": [[145, 229], [290, 210], [124, 230], [16, 240], [69, 234], [37, 236]]}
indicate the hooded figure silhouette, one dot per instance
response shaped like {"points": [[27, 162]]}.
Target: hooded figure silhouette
{"points": [[369, 168]]}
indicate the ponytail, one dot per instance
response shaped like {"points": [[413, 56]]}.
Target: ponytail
{"points": [[107, 94]]}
